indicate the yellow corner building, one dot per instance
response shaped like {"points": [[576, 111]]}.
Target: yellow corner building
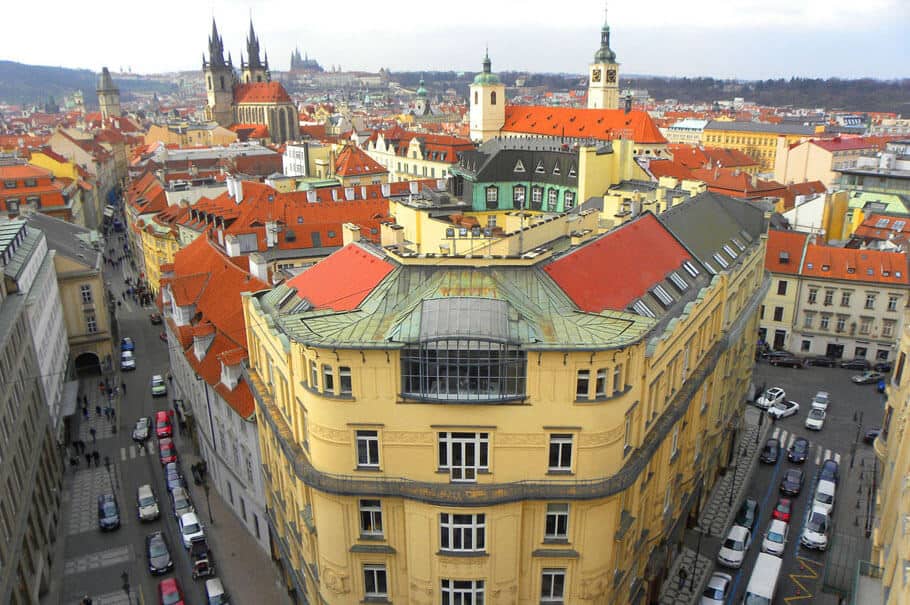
{"points": [[505, 428]]}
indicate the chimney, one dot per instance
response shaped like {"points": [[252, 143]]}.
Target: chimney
{"points": [[238, 190], [628, 104], [271, 234], [349, 233]]}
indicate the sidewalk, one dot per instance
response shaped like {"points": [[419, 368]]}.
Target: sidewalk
{"points": [[715, 517]]}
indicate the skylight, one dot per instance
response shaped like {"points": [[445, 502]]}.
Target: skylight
{"points": [[720, 260], [690, 268], [642, 309], [881, 223], [898, 225], [738, 244], [662, 295], [710, 267], [730, 251], [678, 281]]}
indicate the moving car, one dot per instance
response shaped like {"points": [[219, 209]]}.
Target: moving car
{"points": [[717, 590], [167, 451], [771, 452], [792, 482], [770, 397], [156, 319], [108, 513], [824, 496], [871, 435], [763, 581], [776, 538], [821, 360], [783, 509], [147, 503], [159, 389], [815, 420], [163, 425], [855, 364], [747, 516], [882, 366], [815, 532], [127, 344], [158, 553], [784, 408], [734, 548], [829, 471], [180, 501], [821, 401], [215, 594], [173, 477], [869, 377], [169, 592], [788, 361], [127, 361], [799, 451], [141, 429], [190, 527]]}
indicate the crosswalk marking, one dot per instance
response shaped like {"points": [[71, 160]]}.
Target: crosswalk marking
{"points": [[776, 432], [786, 439], [134, 450]]}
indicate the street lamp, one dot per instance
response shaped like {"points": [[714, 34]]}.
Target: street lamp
{"points": [[205, 487], [695, 562], [125, 577]]}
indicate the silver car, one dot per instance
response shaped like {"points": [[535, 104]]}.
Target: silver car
{"points": [[717, 590], [180, 500]]}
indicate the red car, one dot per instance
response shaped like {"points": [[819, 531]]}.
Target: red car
{"points": [[167, 452], [169, 592], [782, 510], [163, 425]]}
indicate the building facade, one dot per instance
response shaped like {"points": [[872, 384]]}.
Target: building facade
{"points": [[760, 140], [30, 476], [108, 96], [820, 159], [411, 155], [504, 430], [603, 74]]}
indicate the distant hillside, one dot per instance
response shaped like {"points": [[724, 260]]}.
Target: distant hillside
{"points": [[22, 84]]}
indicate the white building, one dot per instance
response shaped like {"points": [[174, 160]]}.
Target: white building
{"points": [[688, 131]]}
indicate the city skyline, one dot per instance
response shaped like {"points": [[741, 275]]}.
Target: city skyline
{"points": [[749, 40]]}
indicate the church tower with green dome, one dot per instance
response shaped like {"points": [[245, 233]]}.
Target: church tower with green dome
{"points": [[603, 75], [422, 103], [488, 104]]}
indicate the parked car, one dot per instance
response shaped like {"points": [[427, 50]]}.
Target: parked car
{"points": [[855, 364], [770, 397], [771, 452], [784, 408], [717, 590], [821, 401], [163, 426], [735, 546], [783, 509], [815, 420], [159, 389], [108, 512], [190, 527], [829, 471], [180, 501], [882, 366], [776, 538], [147, 503], [788, 361], [163, 336], [214, 592], [792, 482], [747, 516], [158, 553], [167, 451], [821, 360], [127, 361], [815, 532], [173, 477], [799, 451], [127, 344], [871, 435], [169, 592], [824, 496], [156, 319], [141, 429], [869, 377]]}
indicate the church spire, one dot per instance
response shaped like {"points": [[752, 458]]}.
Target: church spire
{"points": [[605, 54], [252, 48], [216, 47]]}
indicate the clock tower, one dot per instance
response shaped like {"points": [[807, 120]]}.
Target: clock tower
{"points": [[603, 74]]}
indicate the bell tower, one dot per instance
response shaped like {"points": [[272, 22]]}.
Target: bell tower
{"points": [[219, 81], [253, 69], [603, 74], [488, 103], [108, 96]]}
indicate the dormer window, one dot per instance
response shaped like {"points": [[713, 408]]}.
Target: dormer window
{"points": [[678, 282], [643, 309], [730, 252], [690, 268], [720, 260], [826, 267]]}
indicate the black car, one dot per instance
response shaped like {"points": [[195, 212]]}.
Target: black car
{"points": [[829, 471], [871, 435], [855, 364], [821, 360], [108, 513], [789, 361], [882, 366], [748, 515], [771, 451], [799, 451], [158, 553], [792, 482]]}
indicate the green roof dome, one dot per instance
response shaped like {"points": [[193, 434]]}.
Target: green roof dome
{"points": [[421, 91], [605, 54], [486, 76]]}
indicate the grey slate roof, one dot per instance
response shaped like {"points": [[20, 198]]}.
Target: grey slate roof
{"points": [[764, 127], [69, 240]]}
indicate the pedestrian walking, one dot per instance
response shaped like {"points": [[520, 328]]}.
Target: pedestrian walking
{"points": [[682, 576], [96, 457], [88, 460], [92, 432], [81, 446], [85, 412], [97, 410], [113, 415], [123, 387]]}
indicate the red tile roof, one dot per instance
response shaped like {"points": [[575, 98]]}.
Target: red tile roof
{"points": [[691, 156], [245, 132], [261, 92], [785, 251], [882, 227], [602, 124], [851, 264], [353, 161], [845, 144], [594, 277], [341, 281], [24, 171], [738, 184], [666, 167]]}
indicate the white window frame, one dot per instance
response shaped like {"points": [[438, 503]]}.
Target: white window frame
{"points": [[892, 302], [619, 382], [370, 509], [464, 444], [470, 530], [91, 323], [85, 290], [345, 385], [870, 301], [553, 586], [582, 384], [600, 383], [556, 522], [560, 443], [314, 374], [376, 572], [462, 592], [328, 378], [366, 439]]}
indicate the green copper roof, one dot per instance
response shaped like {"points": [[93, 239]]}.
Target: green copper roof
{"points": [[421, 91], [486, 76], [896, 204]]}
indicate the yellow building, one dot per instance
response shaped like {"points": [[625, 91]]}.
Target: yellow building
{"points": [[504, 428], [819, 159], [64, 168], [208, 134], [160, 242], [760, 140]]}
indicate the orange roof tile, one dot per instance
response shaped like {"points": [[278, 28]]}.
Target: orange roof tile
{"points": [[341, 281], [353, 161], [601, 124], [784, 252], [261, 92], [851, 264]]}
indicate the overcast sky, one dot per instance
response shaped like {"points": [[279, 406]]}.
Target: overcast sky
{"points": [[731, 38]]}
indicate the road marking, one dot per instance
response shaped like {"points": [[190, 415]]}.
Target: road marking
{"points": [[818, 455], [791, 440], [810, 574], [776, 432], [837, 458]]}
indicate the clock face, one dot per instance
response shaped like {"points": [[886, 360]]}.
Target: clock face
{"points": [[595, 75], [611, 75]]}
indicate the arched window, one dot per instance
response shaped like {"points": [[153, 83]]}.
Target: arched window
{"points": [[493, 98], [475, 97], [222, 82]]}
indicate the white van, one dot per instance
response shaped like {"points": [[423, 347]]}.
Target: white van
{"points": [[824, 496], [214, 592], [146, 503], [763, 581]]}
